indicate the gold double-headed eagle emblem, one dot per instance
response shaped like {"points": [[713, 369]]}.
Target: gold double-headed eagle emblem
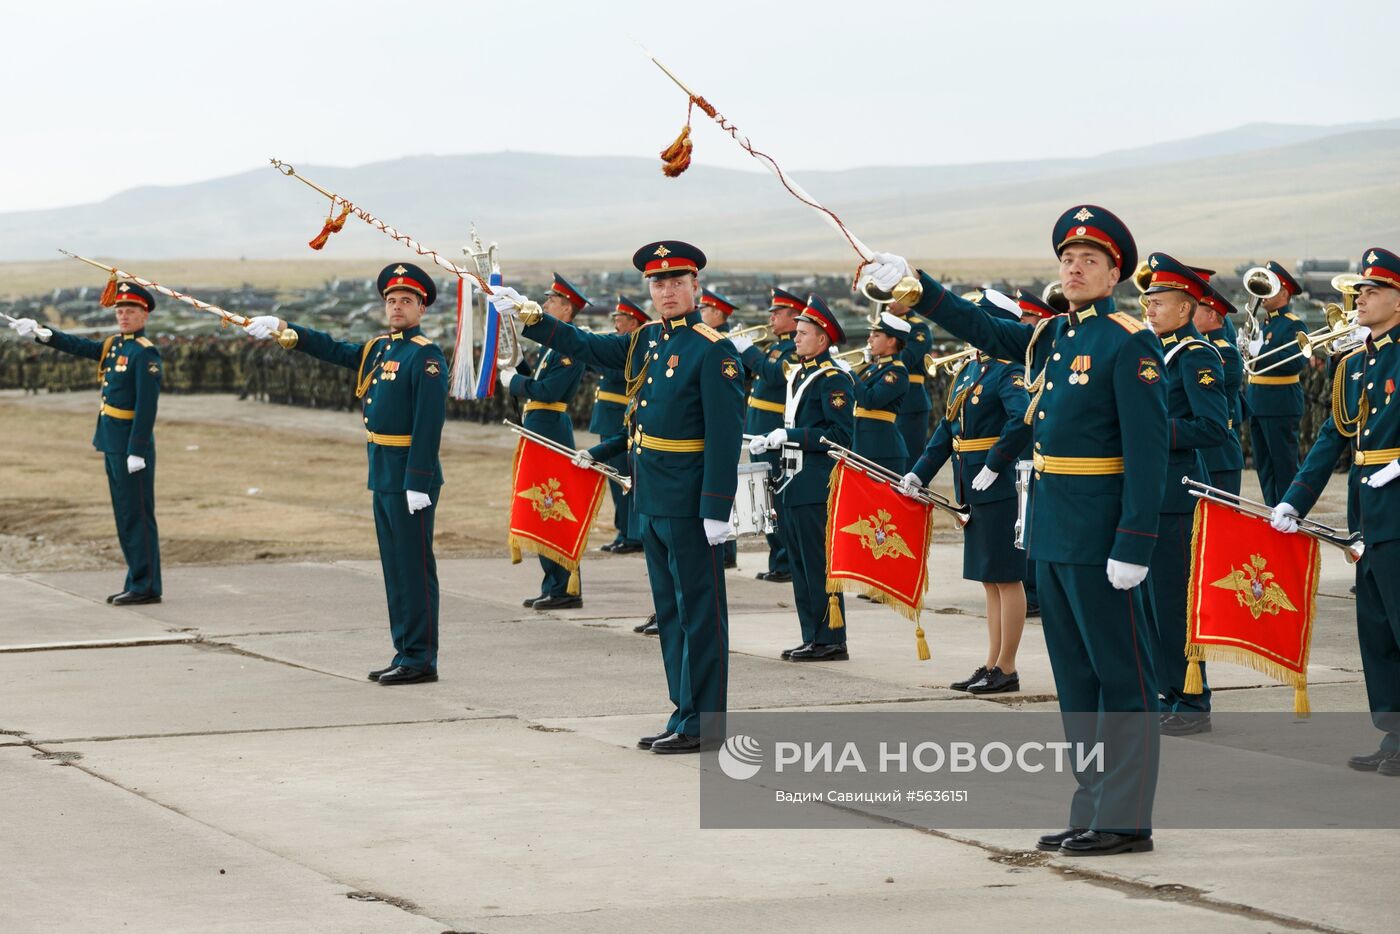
{"points": [[1255, 588], [878, 534], [548, 501]]}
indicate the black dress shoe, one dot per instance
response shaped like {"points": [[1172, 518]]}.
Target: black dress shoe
{"points": [[1390, 767], [761, 576], [996, 682], [652, 629], [1369, 763], [650, 622], [531, 601], [374, 675], [405, 675], [646, 741], [676, 742], [562, 602], [977, 675], [111, 597], [131, 598], [820, 653], [1105, 843], [1052, 841], [787, 653], [778, 577], [627, 548], [1185, 724], [609, 546]]}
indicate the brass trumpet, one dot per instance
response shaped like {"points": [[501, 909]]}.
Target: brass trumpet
{"points": [[948, 363], [857, 359], [1260, 283], [1142, 280], [759, 333]]}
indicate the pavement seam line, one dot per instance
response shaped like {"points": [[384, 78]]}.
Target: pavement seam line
{"points": [[268, 729]]}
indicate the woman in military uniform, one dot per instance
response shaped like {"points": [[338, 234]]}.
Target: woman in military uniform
{"points": [[880, 389]]}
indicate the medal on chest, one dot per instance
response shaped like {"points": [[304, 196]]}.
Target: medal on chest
{"points": [[389, 370], [1079, 370], [671, 363]]}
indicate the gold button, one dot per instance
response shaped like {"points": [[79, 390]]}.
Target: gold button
{"points": [[1367, 432], [1069, 333], [1056, 357], [1374, 410], [1039, 414], [366, 421], [644, 403], [648, 379], [368, 401], [1049, 386], [1370, 385], [375, 380]]}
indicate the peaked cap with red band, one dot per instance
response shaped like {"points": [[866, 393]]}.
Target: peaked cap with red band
{"points": [[569, 292], [1290, 284], [129, 293], [1098, 227], [1380, 267], [1034, 306], [819, 314], [718, 302], [625, 306], [407, 276], [1169, 274], [1203, 272], [785, 299], [1217, 302], [666, 257]]}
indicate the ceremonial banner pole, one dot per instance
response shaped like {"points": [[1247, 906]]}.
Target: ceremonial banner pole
{"points": [[286, 337], [676, 159]]}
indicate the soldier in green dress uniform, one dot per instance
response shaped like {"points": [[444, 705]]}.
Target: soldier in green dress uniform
{"points": [[880, 388], [1224, 462], [715, 310], [609, 411], [402, 378], [1275, 399]]}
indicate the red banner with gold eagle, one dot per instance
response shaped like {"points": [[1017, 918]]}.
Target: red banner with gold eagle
{"points": [[877, 543], [552, 506], [1253, 592]]}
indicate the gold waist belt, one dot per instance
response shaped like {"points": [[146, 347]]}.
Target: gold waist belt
{"points": [[975, 444], [388, 441], [916, 378], [125, 415], [1078, 466], [1378, 456], [673, 445], [879, 414], [617, 397], [1274, 380], [765, 405], [549, 406]]}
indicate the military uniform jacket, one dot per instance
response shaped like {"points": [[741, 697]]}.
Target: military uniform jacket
{"points": [[609, 402], [554, 382], [690, 409], [879, 393], [1197, 411], [825, 409], [1363, 394], [131, 370], [1227, 456], [985, 426], [918, 344], [404, 377], [769, 386], [1268, 398], [1114, 408]]}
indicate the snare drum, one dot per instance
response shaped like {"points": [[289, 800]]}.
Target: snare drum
{"points": [[753, 502]]}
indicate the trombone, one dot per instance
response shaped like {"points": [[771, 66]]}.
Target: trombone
{"points": [[1351, 544], [948, 363], [1341, 333]]}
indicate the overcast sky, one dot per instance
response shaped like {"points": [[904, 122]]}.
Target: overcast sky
{"points": [[105, 96]]}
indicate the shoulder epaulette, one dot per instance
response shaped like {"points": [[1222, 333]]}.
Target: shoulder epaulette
{"points": [[708, 332], [1221, 342], [145, 342], [898, 363], [420, 340], [1291, 316], [1126, 321]]}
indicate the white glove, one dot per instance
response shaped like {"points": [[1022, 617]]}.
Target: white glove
{"points": [[1255, 346], [135, 464], [775, 439], [758, 445], [25, 327], [841, 364], [1124, 576], [1284, 518], [984, 479], [884, 272], [506, 300], [909, 483], [262, 327], [582, 459], [417, 501], [718, 531], [741, 344], [1383, 476], [505, 374]]}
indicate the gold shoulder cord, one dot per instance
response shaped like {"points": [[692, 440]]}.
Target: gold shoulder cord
{"points": [[1348, 426], [102, 357], [634, 382], [362, 378], [1037, 386]]}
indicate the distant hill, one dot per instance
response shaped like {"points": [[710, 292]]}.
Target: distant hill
{"points": [[1259, 189]]}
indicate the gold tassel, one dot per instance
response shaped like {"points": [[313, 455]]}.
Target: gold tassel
{"points": [[924, 653], [514, 551], [573, 588], [332, 225], [833, 612], [1301, 708], [1194, 683], [676, 157], [109, 292]]}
